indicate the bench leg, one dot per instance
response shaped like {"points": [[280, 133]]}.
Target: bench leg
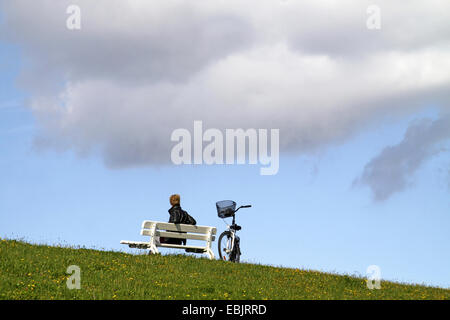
{"points": [[210, 253], [153, 240], [153, 249]]}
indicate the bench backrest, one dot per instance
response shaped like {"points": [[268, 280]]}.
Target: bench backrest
{"points": [[172, 230]]}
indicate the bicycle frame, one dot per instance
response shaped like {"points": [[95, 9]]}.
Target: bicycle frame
{"points": [[231, 247], [233, 235]]}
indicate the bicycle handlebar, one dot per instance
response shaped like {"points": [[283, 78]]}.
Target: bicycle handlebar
{"points": [[246, 206]]}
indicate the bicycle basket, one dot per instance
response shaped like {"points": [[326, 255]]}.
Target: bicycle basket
{"points": [[225, 208]]}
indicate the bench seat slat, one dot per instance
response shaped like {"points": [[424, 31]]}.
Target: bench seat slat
{"points": [[135, 244], [179, 246], [165, 245], [178, 235], [132, 242], [179, 227], [183, 235]]}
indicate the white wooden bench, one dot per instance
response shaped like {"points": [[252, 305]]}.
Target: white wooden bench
{"points": [[156, 229]]}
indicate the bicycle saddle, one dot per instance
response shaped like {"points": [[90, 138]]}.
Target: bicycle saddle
{"points": [[236, 227]]}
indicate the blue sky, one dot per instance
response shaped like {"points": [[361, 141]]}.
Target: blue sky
{"points": [[309, 215], [319, 221]]}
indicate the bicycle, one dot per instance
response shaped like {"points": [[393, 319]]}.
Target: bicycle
{"points": [[229, 242]]}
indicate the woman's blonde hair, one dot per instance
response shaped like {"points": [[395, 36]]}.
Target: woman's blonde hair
{"points": [[174, 199]]}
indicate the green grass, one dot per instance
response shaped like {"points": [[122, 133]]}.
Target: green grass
{"points": [[30, 271]]}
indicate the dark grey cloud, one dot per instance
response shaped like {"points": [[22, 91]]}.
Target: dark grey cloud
{"points": [[393, 169], [129, 43]]}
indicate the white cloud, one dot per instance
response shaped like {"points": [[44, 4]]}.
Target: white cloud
{"points": [[138, 69]]}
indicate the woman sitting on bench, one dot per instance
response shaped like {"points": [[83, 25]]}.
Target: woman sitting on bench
{"points": [[177, 215]]}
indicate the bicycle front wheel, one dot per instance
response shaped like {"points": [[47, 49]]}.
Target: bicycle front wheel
{"points": [[225, 246]]}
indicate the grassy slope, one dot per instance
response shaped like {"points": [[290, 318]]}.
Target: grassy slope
{"points": [[39, 272]]}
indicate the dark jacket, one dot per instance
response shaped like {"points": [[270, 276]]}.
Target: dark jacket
{"points": [[178, 215]]}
